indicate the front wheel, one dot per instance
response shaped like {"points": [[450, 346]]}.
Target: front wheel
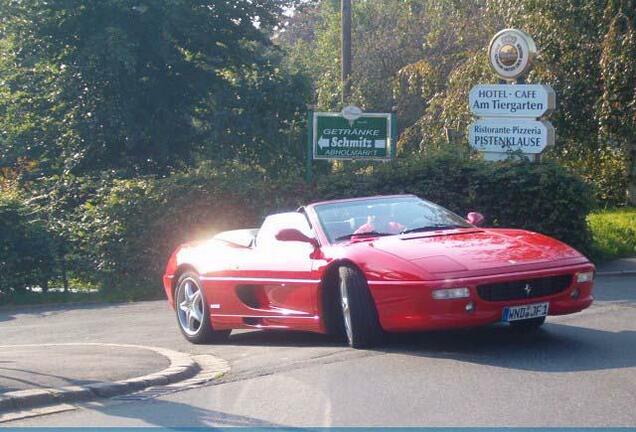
{"points": [[193, 313], [527, 325], [359, 313]]}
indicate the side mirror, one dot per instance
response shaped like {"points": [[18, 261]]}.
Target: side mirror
{"points": [[292, 234], [475, 218]]}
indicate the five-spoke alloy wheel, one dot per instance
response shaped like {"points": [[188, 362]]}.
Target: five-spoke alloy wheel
{"points": [[192, 311]]}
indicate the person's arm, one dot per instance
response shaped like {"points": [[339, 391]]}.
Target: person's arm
{"points": [[396, 227], [367, 227]]}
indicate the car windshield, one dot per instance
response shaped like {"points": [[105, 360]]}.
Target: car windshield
{"points": [[384, 216]]}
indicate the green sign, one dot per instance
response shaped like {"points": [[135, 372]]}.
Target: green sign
{"points": [[366, 137]]}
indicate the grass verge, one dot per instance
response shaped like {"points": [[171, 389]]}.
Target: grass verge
{"points": [[613, 233]]}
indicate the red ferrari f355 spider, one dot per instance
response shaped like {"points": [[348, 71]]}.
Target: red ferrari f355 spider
{"points": [[365, 266]]}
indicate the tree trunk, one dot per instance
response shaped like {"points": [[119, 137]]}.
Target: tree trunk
{"points": [[64, 275]]}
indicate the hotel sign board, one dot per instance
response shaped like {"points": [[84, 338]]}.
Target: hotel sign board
{"points": [[510, 117], [519, 100]]}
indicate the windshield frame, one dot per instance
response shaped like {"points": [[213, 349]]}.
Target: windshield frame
{"points": [[328, 237]]}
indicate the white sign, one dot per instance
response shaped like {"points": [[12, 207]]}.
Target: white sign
{"points": [[511, 53], [510, 135], [519, 100]]}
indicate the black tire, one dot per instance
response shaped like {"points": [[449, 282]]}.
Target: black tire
{"points": [[363, 329], [204, 333], [528, 325]]}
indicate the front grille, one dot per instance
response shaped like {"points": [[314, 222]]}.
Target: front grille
{"points": [[523, 289]]}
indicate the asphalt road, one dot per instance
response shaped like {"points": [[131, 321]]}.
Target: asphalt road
{"points": [[579, 370]]}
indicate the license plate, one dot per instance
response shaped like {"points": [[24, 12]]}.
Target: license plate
{"points": [[516, 313]]}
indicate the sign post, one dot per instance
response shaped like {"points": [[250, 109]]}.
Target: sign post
{"points": [[310, 120], [520, 100], [510, 116]]}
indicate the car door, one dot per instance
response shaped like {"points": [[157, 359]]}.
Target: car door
{"points": [[276, 285]]}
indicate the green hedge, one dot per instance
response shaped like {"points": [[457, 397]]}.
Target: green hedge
{"points": [[27, 255], [129, 228]]}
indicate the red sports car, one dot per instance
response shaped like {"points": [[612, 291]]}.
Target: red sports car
{"points": [[365, 266]]}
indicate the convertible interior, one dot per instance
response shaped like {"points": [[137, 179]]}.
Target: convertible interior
{"points": [[241, 237]]}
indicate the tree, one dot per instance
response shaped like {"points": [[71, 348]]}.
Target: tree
{"points": [[424, 56], [386, 36], [617, 105], [141, 87]]}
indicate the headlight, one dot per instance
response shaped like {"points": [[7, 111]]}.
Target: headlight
{"points": [[584, 277], [451, 293]]}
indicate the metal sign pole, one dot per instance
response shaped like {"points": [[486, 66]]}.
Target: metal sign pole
{"points": [[310, 146], [394, 135]]}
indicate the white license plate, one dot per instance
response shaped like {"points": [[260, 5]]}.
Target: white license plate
{"points": [[516, 313]]}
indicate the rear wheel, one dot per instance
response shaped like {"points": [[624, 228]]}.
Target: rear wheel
{"points": [[192, 311], [359, 313], [527, 325]]}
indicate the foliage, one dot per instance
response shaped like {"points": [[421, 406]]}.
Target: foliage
{"points": [[614, 232], [386, 36], [27, 255], [587, 53], [143, 88]]}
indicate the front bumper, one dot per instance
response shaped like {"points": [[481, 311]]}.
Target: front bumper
{"points": [[409, 306]]}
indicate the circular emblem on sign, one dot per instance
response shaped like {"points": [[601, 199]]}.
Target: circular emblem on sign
{"points": [[511, 53], [351, 112]]}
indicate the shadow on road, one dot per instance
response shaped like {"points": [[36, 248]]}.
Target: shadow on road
{"points": [[6, 316], [554, 348], [175, 414], [282, 338], [33, 384], [43, 310]]}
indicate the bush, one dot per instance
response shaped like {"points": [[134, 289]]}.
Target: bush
{"points": [[27, 255], [130, 227]]}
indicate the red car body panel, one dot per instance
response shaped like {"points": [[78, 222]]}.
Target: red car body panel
{"points": [[252, 288]]}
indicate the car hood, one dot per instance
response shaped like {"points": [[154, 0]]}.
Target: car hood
{"points": [[477, 250]]}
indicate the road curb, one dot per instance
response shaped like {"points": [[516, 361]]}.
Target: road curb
{"points": [[181, 367]]}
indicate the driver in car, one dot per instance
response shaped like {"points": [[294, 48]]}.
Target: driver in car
{"points": [[380, 221]]}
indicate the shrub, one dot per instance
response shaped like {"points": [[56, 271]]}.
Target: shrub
{"points": [[26, 248]]}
